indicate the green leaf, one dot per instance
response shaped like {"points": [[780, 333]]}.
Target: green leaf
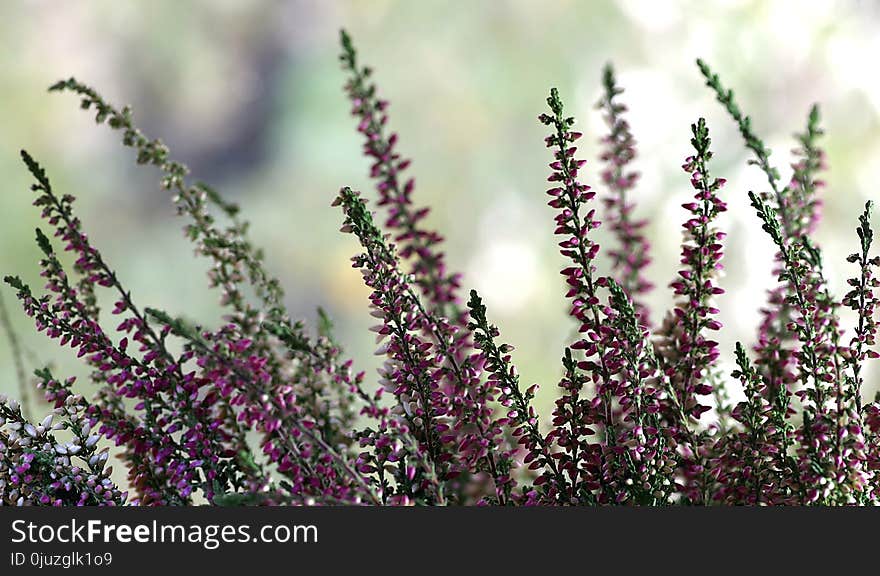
{"points": [[44, 244], [16, 283]]}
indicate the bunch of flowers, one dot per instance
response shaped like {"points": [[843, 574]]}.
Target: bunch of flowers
{"points": [[260, 409]]}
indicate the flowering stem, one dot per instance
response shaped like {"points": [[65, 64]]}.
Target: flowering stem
{"points": [[498, 362], [631, 255], [288, 422], [793, 272], [753, 143], [449, 354], [863, 300], [581, 250], [398, 305], [429, 266]]}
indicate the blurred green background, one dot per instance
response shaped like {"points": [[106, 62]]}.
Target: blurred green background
{"points": [[248, 93]]}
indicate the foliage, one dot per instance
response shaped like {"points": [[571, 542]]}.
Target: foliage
{"points": [[261, 410]]}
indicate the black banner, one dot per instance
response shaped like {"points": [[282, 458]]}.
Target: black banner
{"points": [[398, 540]]}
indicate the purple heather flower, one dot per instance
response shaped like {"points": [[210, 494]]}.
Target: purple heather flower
{"points": [[416, 244], [443, 400], [685, 348], [631, 255], [578, 458], [776, 347]]}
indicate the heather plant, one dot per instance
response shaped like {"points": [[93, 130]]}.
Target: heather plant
{"points": [[261, 409]]}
